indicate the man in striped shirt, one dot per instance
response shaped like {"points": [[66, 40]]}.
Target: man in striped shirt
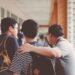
{"points": [[22, 64]]}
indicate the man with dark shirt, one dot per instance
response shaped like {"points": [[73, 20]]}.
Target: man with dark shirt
{"points": [[9, 32]]}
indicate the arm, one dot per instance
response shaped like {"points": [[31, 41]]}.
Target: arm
{"points": [[46, 51]]}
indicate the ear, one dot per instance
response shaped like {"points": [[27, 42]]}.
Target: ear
{"points": [[10, 28]]}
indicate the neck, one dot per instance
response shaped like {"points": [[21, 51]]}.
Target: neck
{"points": [[28, 40]]}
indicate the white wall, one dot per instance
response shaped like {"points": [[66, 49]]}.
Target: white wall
{"points": [[10, 5]]}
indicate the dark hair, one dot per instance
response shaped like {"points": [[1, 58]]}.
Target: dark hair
{"points": [[6, 22], [56, 30], [29, 28]]}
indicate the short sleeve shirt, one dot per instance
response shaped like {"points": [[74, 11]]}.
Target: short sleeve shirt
{"points": [[67, 61]]}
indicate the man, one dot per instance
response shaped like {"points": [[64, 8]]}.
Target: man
{"points": [[23, 64], [62, 50], [9, 32]]}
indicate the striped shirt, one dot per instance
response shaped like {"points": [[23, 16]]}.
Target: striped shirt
{"points": [[22, 63]]}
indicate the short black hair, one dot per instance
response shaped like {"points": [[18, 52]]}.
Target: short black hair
{"points": [[6, 22], [29, 28], [56, 30]]}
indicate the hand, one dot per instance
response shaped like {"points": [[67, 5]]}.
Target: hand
{"points": [[36, 71], [25, 48]]}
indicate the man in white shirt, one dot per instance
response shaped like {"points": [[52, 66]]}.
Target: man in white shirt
{"points": [[62, 50]]}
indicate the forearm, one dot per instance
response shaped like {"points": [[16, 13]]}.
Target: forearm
{"points": [[47, 51]]}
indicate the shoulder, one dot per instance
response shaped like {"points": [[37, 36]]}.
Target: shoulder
{"points": [[12, 42], [12, 38], [64, 43], [65, 46]]}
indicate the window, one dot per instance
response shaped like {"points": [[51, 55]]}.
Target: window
{"points": [[71, 21]]}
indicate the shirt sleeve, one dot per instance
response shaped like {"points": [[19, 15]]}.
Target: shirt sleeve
{"points": [[65, 48]]}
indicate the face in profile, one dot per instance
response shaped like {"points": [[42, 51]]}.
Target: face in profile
{"points": [[51, 39], [14, 30]]}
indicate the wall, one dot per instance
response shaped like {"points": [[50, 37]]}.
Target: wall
{"points": [[59, 14]]}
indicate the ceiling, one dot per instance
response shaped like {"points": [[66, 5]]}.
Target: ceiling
{"points": [[39, 10]]}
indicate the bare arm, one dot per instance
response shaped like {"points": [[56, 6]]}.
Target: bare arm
{"points": [[46, 51]]}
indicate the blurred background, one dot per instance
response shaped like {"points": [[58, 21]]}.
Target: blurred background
{"points": [[45, 12]]}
